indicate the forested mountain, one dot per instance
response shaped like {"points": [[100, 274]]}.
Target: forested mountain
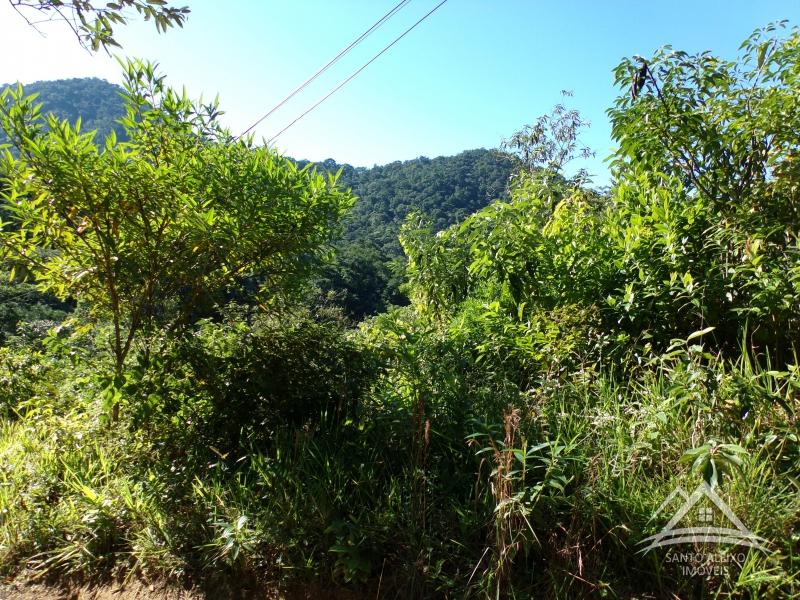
{"points": [[568, 358], [446, 188], [96, 101], [366, 275]]}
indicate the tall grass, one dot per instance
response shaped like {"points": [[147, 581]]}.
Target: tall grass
{"points": [[547, 498]]}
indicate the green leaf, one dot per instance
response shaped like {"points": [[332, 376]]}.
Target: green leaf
{"points": [[700, 333]]}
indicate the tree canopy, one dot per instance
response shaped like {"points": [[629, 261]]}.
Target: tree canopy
{"points": [[567, 358], [150, 230], [367, 275], [97, 103]]}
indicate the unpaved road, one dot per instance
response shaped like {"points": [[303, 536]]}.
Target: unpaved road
{"points": [[132, 591], [137, 590]]}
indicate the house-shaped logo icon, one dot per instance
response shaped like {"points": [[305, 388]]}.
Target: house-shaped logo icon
{"points": [[737, 535]]}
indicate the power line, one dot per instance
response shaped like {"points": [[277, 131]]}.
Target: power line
{"points": [[346, 81], [333, 61]]}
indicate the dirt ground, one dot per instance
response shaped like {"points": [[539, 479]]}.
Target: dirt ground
{"points": [[132, 591], [138, 590]]}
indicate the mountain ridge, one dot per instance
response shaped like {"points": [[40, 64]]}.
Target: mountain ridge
{"points": [[367, 274]]}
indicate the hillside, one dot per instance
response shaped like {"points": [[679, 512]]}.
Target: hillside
{"points": [[446, 188], [588, 394], [366, 275], [96, 101]]}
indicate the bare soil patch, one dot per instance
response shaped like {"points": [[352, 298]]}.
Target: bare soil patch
{"points": [[141, 590]]}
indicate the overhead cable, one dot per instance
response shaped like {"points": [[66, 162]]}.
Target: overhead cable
{"points": [[359, 70], [330, 63]]}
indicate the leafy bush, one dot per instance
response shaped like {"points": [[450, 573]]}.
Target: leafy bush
{"points": [[234, 384], [151, 232], [568, 358]]}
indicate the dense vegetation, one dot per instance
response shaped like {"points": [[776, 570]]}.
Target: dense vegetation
{"points": [[367, 272], [97, 103], [366, 276], [447, 189], [568, 356]]}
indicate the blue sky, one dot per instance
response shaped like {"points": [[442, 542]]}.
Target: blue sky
{"points": [[468, 77]]}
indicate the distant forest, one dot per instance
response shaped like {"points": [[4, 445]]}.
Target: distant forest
{"points": [[468, 377], [365, 277], [96, 102]]}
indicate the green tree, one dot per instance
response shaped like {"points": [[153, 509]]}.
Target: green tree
{"points": [[550, 143], [708, 148], [368, 273], [699, 232], [97, 103], [150, 230]]}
